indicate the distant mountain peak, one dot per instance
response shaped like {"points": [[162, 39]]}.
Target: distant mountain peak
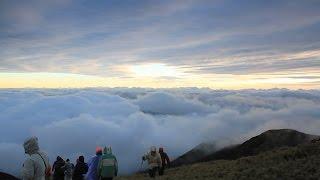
{"points": [[268, 140], [282, 131], [195, 154]]}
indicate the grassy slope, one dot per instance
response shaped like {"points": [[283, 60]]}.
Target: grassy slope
{"points": [[301, 162]]}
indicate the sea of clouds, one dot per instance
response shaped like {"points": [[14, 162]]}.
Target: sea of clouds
{"points": [[72, 122]]}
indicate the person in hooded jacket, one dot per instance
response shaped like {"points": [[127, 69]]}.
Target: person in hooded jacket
{"points": [[92, 173], [58, 169], [68, 170], [80, 169], [36, 166], [165, 161], [108, 165], [154, 161]]}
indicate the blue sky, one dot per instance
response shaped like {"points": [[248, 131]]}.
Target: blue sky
{"points": [[201, 40]]}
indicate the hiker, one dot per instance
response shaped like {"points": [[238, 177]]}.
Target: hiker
{"points": [[36, 166], [57, 168], [93, 165], [68, 169], [108, 165], [80, 169], [154, 161], [165, 161]]}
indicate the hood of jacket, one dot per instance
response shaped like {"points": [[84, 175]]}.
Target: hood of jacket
{"points": [[31, 145], [107, 150]]}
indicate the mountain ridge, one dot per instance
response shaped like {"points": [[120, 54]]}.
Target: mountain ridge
{"points": [[195, 154], [268, 140]]}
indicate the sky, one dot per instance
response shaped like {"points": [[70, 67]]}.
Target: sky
{"points": [[220, 44], [72, 122]]}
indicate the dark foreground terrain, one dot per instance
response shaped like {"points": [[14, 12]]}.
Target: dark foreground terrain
{"points": [[300, 162], [5, 176]]}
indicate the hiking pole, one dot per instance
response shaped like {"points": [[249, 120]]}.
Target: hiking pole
{"points": [[141, 165]]}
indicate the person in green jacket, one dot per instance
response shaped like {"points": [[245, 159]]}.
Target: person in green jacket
{"points": [[108, 165]]}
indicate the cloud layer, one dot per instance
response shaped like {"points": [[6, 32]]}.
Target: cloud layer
{"points": [[73, 122]]}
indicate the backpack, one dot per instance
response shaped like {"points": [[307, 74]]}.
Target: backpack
{"points": [[107, 166]]}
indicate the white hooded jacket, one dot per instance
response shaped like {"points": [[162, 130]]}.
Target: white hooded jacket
{"points": [[34, 166], [154, 160]]}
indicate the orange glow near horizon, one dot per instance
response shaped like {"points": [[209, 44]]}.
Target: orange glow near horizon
{"points": [[217, 81]]}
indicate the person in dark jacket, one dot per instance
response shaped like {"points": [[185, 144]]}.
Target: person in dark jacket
{"points": [[80, 169], [165, 161], [57, 168]]}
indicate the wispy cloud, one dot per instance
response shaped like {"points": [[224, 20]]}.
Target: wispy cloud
{"points": [[224, 37]]}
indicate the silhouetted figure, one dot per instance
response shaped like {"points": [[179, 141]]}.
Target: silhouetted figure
{"points": [[108, 166], [57, 168], [165, 161], [80, 169], [93, 165]]}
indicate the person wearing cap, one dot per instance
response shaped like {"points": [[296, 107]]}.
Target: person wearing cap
{"points": [[36, 166], [57, 168], [165, 161], [154, 161], [93, 165], [108, 166]]}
